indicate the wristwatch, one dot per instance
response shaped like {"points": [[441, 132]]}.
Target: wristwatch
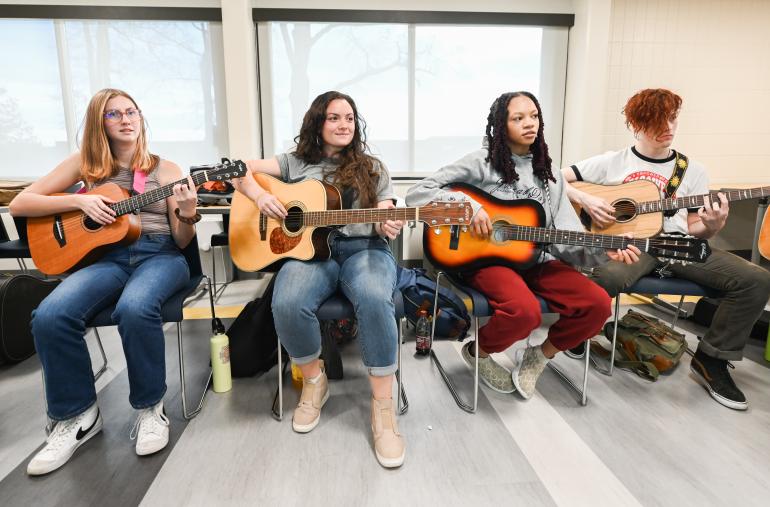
{"points": [[188, 220]]}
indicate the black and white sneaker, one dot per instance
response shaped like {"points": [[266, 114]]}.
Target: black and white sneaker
{"points": [[65, 438], [576, 352], [712, 374]]}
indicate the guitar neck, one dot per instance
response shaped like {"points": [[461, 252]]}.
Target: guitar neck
{"points": [[358, 216], [696, 201], [138, 201], [564, 237]]}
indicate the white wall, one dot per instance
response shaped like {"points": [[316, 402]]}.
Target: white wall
{"points": [[714, 54]]}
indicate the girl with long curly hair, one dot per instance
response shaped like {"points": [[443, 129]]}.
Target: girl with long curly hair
{"points": [[331, 147], [515, 165], [138, 278]]}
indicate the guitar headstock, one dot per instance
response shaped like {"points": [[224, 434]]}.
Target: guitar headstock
{"points": [[437, 213], [684, 249], [225, 170]]}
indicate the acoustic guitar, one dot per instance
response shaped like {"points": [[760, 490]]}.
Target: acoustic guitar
{"points": [[314, 207], [639, 207], [68, 241], [764, 236], [518, 233]]}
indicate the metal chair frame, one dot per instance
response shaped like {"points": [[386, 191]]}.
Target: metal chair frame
{"points": [[403, 402], [582, 392]]}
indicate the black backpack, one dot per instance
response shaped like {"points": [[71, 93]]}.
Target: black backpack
{"points": [[253, 340], [19, 295]]}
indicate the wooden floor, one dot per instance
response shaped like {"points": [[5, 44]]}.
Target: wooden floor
{"points": [[635, 443]]}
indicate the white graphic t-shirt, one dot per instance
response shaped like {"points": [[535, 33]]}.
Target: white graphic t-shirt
{"points": [[615, 167]]}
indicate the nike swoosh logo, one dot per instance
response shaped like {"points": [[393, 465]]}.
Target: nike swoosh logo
{"points": [[82, 433]]}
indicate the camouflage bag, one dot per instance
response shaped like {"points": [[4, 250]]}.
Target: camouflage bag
{"points": [[645, 345]]}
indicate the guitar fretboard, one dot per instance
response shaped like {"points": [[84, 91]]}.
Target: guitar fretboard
{"points": [[138, 201], [358, 216], [696, 201], [575, 238]]}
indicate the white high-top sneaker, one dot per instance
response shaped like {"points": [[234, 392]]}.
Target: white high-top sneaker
{"points": [[66, 436], [150, 430]]}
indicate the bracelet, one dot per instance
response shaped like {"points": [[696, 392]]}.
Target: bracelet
{"points": [[188, 220]]}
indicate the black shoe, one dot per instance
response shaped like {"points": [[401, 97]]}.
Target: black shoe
{"points": [[713, 375], [576, 352]]}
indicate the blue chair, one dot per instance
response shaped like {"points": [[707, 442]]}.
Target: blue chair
{"points": [[336, 307], [480, 307], [652, 284], [15, 248], [171, 311]]}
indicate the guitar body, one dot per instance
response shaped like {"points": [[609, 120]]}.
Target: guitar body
{"points": [[68, 241], [764, 236], [624, 197], [257, 241], [468, 252]]}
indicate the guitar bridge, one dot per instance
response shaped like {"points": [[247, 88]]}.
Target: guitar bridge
{"points": [[58, 231], [454, 237]]}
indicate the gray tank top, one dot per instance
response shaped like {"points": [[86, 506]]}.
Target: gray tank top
{"points": [[154, 216]]}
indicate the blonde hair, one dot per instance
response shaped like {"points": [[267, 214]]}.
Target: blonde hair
{"points": [[97, 161]]}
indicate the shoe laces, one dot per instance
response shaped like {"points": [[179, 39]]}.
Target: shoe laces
{"points": [[150, 420], [60, 432]]}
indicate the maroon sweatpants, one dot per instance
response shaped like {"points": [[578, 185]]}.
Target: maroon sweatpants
{"points": [[584, 307]]}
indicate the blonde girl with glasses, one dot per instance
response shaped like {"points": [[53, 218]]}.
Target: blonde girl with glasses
{"points": [[138, 278]]}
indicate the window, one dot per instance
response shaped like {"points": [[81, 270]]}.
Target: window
{"points": [[49, 69], [424, 90]]}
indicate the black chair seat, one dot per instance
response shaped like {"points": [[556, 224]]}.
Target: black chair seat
{"points": [[219, 239], [337, 306], [676, 286], [14, 249]]}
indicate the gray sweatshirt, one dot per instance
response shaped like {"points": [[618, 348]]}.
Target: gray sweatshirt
{"points": [[473, 170]]}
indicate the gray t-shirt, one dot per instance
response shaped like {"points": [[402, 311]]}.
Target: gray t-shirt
{"points": [[294, 169]]}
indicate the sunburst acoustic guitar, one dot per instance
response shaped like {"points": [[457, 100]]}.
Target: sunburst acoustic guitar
{"points": [[518, 234], [68, 241], [639, 207], [314, 207]]}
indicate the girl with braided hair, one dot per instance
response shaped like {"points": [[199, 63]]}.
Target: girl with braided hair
{"points": [[513, 165]]}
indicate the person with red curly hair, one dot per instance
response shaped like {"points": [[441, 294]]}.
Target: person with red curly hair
{"points": [[652, 115]]}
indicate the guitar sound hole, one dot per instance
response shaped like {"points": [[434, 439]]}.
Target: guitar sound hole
{"points": [[90, 224], [625, 210], [294, 221]]}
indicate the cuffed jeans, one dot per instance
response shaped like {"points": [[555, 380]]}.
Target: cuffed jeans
{"points": [[140, 277], [746, 288], [365, 271]]}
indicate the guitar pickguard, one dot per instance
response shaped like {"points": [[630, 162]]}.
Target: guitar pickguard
{"points": [[280, 243]]}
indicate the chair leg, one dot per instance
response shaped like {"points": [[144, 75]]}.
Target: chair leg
{"points": [[583, 393], [189, 415], [22, 265], [608, 371], [278, 398], [444, 375], [403, 402], [676, 313], [104, 356], [213, 268]]}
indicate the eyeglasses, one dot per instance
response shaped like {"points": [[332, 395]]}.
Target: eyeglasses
{"points": [[116, 116]]}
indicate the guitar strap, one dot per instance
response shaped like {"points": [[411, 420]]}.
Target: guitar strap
{"points": [[680, 166]]}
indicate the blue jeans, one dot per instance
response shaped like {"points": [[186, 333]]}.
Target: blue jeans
{"points": [[140, 277], [364, 270]]}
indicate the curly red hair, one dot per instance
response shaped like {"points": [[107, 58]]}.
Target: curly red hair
{"points": [[649, 110]]}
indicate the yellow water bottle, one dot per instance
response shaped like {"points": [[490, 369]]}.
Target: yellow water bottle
{"points": [[220, 358]]}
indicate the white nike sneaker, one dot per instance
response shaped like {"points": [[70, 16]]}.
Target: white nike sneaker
{"points": [[150, 430], [65, 438]]}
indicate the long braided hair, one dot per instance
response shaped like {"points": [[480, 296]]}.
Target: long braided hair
{"points": [[498, 151], [357, 169]]}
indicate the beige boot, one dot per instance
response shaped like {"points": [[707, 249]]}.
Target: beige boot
{"points": [[388, 443], [308, 411]]}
